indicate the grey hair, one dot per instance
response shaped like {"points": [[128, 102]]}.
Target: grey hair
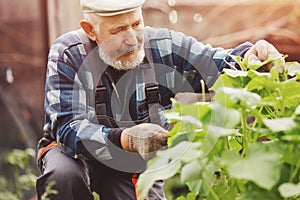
{"points": [[94, 20]]}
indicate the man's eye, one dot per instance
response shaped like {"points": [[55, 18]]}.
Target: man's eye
{"points": [[137, 24], [117, 30]]}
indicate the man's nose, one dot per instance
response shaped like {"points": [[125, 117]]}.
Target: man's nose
{"points": [[131, 37]]}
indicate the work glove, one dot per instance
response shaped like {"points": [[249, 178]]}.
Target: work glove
{"points": [[263, 50], [146, 139]]}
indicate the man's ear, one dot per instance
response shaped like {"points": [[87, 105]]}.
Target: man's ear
{"points": [[88, 29]]}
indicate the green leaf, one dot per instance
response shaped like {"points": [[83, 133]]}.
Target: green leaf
{"points": [[7, 195], [280, 124], [221, 132], [167, 170], [297, 111], [291, 156], [261, 165], [240, 61], [292, 68], [253, 74], [223, 116], [221, 122], [240, 96], [193, 174], [262, 83], [288, 190], [235, 145], [196, 110], [257, 194], [166, 164], [49, 191], [291, 138], [27, 181], [96, 196], [230, 193], [183, 132], [230, 81], [235, 73], [3, 183], [274, 71], [290, 89], [174, 116], [191, 196], [254, 65], [20, 158], [214, 133], [180, 137], [187, 127]]}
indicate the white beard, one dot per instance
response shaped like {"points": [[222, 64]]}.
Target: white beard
{"points": [[120, 64]]}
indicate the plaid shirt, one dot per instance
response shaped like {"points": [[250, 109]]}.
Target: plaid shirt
{"points": [[180, 63]]}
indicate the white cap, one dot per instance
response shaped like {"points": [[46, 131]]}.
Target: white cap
{"points": [[110, 7]]}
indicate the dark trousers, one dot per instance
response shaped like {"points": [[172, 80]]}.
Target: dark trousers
{"points": [[76, 179]]}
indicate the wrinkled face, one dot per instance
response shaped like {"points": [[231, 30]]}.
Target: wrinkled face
{"points": [[120, 40]]}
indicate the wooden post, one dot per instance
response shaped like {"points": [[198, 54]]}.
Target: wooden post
{"points": [[63, 16]]}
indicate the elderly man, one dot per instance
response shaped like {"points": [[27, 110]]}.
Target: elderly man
{"points": [[107, 86]]}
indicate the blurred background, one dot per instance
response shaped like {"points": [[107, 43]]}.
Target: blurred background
{"points": [[28, 27]]}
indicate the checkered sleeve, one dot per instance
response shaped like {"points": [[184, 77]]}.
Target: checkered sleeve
{"points": [[206, 60], [194, 60], [69, 107]]}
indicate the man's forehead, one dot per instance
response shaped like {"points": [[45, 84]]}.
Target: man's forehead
{"points": [[110, 7]]}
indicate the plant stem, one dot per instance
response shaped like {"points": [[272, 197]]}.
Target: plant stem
{"points": [[294, 170], [237, 186], [245, 131], [214, 195], [226, 143], [202, 89], [294, 173]]}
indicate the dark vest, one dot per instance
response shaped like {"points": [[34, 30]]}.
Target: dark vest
{"points": [[151, 90]]}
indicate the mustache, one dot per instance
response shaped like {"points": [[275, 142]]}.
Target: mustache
{"points": [[128, 49], [117, 52]]}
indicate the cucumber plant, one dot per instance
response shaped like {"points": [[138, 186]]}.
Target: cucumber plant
{"points": [[244, 144]]}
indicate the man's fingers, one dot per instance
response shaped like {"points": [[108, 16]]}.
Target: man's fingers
{"points": [[163, 140], [251, 52], [252, 59], [263, 50]]}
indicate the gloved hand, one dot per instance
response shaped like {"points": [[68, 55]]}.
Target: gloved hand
{"points": [[146, 139], [263, 50]]}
